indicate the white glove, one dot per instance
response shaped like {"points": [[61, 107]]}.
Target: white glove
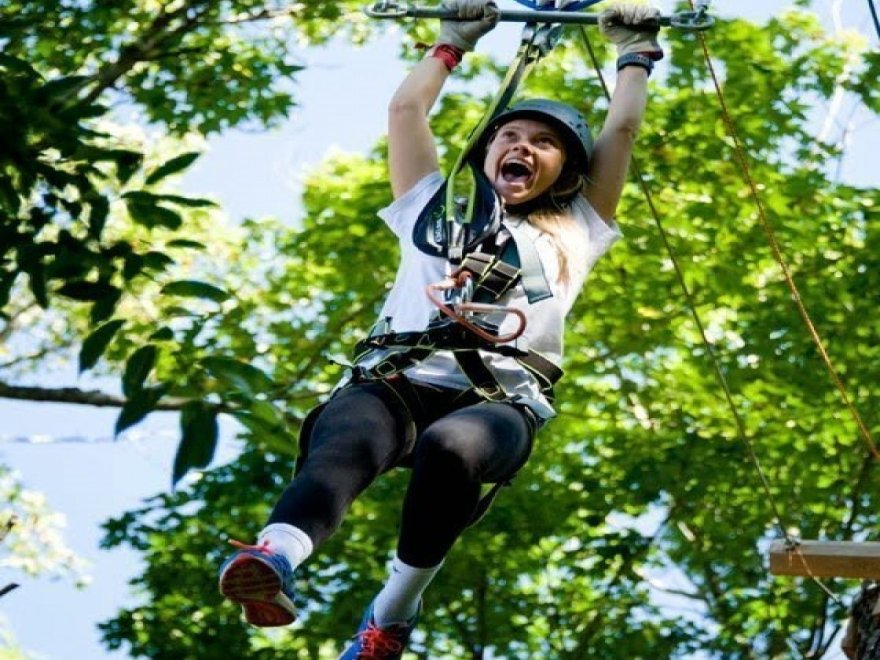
{"points": [[557, 5], [632, 28], [481, 16]]}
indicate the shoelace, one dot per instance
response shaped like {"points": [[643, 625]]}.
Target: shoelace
{"points": [[375, 640], [263, 548]]}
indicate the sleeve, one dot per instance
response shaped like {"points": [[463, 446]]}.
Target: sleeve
{"points": [[402, 213], [601, 235]]}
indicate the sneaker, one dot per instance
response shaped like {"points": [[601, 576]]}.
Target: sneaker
{"points": [[375, 643], [261, 581]]}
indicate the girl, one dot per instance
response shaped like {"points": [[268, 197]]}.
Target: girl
{"points": [[459, 405]]}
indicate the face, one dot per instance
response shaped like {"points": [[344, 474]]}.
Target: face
{"points": [[523, 159]]}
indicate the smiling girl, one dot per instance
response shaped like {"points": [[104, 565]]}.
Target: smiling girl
{"points": [[460, 410]]}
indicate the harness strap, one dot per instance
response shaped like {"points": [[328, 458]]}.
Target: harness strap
{"points": [[534, 279], [493, 277], [480, 376], [409, 348]]}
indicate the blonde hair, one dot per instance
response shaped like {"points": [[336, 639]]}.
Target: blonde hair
{"points": [[554, 215]]}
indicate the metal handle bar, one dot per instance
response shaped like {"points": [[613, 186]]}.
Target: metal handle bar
{"points": [[684, 20]]}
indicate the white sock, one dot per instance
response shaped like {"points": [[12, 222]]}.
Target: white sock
{"points": [[398, 602], [288, 540]]}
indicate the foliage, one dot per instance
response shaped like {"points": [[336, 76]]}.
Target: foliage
{"points": [[31, 544], [643, 478], [637, 528]]}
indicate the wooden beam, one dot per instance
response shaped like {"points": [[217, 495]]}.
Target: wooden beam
{"points": [[845, 559]]}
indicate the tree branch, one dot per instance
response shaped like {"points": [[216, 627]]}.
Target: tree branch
{"points": [[74, 395]]}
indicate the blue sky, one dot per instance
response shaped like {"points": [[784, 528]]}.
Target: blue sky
{"points": [[343, 93]]}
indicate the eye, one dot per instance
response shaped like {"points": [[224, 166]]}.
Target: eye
{"points": [[547, 141]]}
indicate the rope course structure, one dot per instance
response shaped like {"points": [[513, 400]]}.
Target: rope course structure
{"points": [[789, 555]]}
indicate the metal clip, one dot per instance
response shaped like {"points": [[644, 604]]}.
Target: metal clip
{"points": [[387, 9], [461, 294], [697, 20], [547, 37]]}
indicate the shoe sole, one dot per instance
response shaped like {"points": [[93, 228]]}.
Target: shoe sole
{"points": [[255, 586]]}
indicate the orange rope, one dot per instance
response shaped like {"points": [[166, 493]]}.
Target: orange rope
{"points": [[780, 259], [457, 312]]}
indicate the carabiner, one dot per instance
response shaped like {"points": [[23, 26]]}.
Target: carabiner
{"points": [[388, 9], [692, 21]]}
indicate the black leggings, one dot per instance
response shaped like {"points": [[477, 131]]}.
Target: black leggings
{"points": [[461, 443]]}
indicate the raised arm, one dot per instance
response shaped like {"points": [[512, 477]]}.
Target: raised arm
{"points": [[633, 29], [412, 151]]}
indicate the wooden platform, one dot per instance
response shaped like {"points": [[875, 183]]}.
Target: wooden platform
{"points": [[845, 559]]}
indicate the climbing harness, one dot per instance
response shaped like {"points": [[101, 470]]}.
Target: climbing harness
{"points": [[463, 229]]}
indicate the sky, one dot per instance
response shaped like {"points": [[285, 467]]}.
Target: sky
{"points": [[89, 477]]}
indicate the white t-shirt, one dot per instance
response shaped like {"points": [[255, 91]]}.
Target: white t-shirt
{"points": [[409, 309]]}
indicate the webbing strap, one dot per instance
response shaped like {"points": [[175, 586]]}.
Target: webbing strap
{"points": [[481, 377], [534, 280], [526, 57]]}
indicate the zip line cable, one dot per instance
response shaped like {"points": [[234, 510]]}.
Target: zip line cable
{"points": [[776, 512], [874, 16], [780, 259]]}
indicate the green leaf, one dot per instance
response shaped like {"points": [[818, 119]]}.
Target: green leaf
{"points": [[185, 243], [172, 166], [105, 307], [157, 261], [85, 291], [276, 437], [162, 334], [99, 209], [191, 202], [37, 280], [139, 406], [195, 289], [153, 215], [96, 343], [239, 375], [137, 368], [127, 163], [198, 425]]}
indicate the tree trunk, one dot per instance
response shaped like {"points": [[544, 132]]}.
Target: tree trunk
{"points": [[862, 639]]}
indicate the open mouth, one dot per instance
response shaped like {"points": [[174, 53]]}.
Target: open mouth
{"points": [[516, 171]]}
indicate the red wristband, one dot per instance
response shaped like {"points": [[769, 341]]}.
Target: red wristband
{"points": [[448, 54]]}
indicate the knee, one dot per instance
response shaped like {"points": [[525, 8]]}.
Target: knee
{"points": [[448, 447]]}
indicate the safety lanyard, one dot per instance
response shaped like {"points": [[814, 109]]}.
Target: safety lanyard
{"points": [[535, 43]]}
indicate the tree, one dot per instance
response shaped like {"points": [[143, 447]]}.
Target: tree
{"points": [[640, 500], [31, 544]]}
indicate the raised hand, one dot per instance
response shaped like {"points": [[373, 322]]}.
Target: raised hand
{"points": [[632, 28], [480, 16]]}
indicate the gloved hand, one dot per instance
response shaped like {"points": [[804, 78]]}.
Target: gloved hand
{"points": [[632, 28], [557, 5], [481, 15]]}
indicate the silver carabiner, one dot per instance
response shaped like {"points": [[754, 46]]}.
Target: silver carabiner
{"points": [[387, 9], [696, 21]]}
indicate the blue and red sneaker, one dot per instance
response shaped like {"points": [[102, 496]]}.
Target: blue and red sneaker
{"points": [[261, 581], [375, 643]]}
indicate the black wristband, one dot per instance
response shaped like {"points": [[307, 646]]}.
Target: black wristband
{"points": [[635, 59]]}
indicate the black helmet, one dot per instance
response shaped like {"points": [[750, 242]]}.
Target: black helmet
{"points": [[569, 122]]}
